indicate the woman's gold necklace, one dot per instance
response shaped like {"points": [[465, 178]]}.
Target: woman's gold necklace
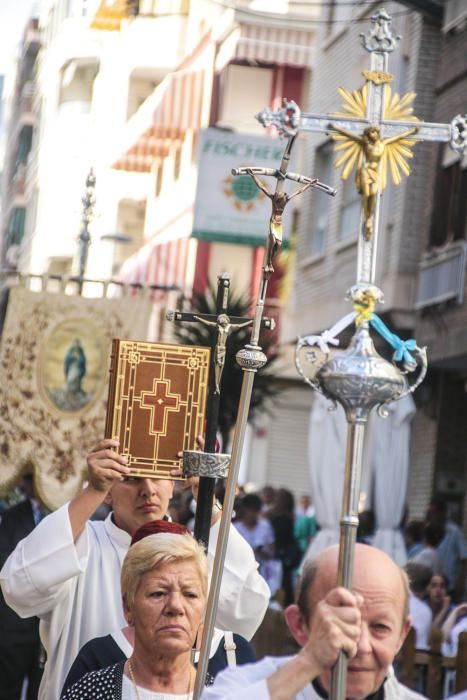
{"points": [[132, 676], [130, 668]]}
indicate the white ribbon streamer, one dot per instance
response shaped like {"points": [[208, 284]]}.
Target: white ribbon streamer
{"points": [[328, 337]]}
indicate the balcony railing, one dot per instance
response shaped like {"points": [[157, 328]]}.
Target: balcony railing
{"points": [[18, 181], [442, 277]]}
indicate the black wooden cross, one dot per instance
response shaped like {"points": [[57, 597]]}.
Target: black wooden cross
{"points": [[225, 324]]}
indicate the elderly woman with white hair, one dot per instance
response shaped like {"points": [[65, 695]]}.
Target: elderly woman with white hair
{"points": [[164, 584]]}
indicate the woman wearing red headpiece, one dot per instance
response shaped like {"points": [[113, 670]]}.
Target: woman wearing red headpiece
{"points": [[227, 649]]}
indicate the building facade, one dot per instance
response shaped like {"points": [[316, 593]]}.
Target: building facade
{"points": [[441, 311], [126, 89], [421, 261], [20, 123]]}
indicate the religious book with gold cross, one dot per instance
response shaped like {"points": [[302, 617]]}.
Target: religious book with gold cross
{"points": [[156, 403]]}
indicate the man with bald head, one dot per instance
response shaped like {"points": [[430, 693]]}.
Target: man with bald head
{"points": [[369, 624]]}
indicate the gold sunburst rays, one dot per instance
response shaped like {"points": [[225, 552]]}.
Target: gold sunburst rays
{"points": [[394, 152]]}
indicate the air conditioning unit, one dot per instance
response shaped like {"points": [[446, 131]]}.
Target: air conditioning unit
{"points": [[442, 277]]}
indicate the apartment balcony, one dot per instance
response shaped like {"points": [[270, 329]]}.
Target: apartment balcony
{"points": [[442, 277], [26, 102], [31, 38], [113, 16], [17, 187], [283, 11], [24, 114], [266, 36], [161, 8]]}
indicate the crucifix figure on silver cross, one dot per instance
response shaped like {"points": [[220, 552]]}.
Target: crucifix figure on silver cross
{"points": [[368, 137], [279, 198]]}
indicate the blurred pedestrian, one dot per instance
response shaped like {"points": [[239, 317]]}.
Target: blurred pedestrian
{"points": [[455, 624], [452, 550], [282, 519], [419, 578], [438, 599], [305, 507], [413, 538], [258, 532], [305, 530], [268, 495], [20, 648], [428, 556]]}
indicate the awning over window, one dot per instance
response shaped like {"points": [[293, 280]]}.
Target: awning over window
{"points": [[178, 103], [174, 106], [279, 45], [162, 264], [109, 15]]}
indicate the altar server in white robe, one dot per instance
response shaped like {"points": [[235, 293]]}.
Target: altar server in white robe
{"points": [[67, 571]]}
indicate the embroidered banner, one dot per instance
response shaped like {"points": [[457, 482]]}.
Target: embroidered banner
{"points": [[55, 356]]}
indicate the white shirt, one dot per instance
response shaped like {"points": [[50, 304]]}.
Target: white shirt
{"points": [[450, 647], [421, 621], [74, 588], [260, 536], [249, 682], [128, 693]]}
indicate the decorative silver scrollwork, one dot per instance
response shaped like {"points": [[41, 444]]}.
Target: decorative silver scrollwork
{"points": [[251, 358], [286, 119], [380, 38], [209, 464], [302, 343], [421, 362], [459, 133]]}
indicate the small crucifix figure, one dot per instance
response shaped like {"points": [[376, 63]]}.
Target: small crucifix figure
{"points": [[279, 199], [225, 325]]}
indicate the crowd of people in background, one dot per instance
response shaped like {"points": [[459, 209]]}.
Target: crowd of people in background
{"points": [[437, 559], [280, 530]]}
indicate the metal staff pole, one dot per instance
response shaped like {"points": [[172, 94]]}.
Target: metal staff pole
{"points": [[360, 380], [250, 358]]}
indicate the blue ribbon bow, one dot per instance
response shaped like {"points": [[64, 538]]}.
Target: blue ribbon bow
{"points": [[400, 346]]}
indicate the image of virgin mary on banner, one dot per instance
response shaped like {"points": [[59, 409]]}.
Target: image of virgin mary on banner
{"points": [[54, 358]]}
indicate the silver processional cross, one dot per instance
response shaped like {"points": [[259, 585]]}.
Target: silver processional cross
{"points": [[374, 135], [379, 42]]}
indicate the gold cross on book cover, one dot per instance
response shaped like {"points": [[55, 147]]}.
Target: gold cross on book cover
{"points": [[156, 403]]}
